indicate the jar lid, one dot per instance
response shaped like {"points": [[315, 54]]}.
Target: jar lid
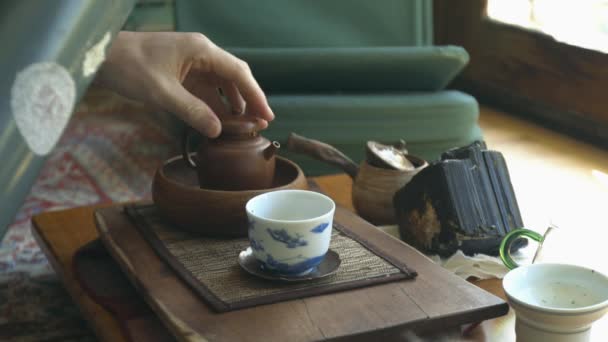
{"points": [[240, 124]]}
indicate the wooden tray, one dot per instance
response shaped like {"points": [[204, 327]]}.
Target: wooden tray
{"points": [[436, 299]]}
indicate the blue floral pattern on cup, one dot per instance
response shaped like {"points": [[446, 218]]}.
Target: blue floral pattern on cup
{"points": [[290, 230], [302, 267], [320, 228], [281, 235], [256, 245]]}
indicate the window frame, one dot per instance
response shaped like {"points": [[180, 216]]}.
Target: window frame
{"points": [[527, 72]]}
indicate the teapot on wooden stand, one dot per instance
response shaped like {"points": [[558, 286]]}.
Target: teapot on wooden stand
{"points": [[239, 159]]}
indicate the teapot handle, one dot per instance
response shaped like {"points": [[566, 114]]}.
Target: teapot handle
{"points": [[323, 152], [186, 154]]}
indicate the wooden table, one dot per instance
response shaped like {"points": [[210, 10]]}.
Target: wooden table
{"points": [[60, 234], [538, 159], [496, 330]]}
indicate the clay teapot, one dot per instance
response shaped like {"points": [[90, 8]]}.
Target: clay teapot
{"points": [[386, 169], [239, 159]]}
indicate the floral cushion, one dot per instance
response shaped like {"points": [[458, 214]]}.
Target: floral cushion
{"points": [[101, 158]]}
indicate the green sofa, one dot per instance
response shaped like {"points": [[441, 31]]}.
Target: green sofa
{"points": [[345, 71]]}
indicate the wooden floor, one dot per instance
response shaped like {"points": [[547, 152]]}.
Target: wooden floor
{"points": [[556, 178]]}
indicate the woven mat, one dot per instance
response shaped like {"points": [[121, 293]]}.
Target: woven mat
{"points": [[210, 267]]}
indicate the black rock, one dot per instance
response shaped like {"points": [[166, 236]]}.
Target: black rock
{"points": [[463, 201]]}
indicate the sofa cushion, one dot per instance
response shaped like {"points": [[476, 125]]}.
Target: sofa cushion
{"points": [[430, 122], [302, 23], [363, 69]]}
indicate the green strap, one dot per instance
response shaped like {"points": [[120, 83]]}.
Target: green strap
{"points": [[507, 241]]}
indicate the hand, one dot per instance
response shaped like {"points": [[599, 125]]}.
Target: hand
{"points": [[181, 73]]}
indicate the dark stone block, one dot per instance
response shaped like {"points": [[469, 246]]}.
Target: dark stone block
{"points": [[463, 201]]}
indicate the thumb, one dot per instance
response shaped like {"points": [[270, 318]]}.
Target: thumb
{"points": [[191, 109]]}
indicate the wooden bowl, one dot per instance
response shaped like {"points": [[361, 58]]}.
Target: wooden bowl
{"points": [[374, 188], [179, 198]]}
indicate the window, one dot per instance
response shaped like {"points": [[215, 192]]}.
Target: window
{"points": [[546, 64], [582, 23]]}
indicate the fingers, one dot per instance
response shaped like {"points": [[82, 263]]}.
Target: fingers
{"points": [[204, 86], [234, 96], [238, 73], [262, 124], [211, 97], [175, 98]]}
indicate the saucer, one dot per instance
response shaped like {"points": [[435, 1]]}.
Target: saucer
{"points": [[328, 266]]}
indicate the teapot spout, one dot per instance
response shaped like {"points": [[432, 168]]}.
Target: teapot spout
{"points": [[271, 150]]}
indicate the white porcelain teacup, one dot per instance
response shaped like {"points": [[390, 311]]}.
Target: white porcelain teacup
{"points": [[290, 230], [556, 302]]}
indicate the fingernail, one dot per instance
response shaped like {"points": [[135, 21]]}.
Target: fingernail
{"points": [[213, 129]]}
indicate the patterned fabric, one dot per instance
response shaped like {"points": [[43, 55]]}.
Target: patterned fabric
{"points": [[101, 158]]}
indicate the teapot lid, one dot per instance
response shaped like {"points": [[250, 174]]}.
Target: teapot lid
{"points": [[240, 124]]}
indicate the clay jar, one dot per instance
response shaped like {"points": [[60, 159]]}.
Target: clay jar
{"points": [[374, 188], [239, 159]]}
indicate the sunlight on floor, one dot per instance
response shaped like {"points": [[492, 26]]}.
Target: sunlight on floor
{"points": [[556, 179], [601, 177], [582, 23]]}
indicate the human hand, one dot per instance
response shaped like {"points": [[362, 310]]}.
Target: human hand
{"points": [[181, 73]]}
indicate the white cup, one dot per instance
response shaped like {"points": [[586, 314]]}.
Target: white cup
{"points": [[290, 230], [556, 302]]}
